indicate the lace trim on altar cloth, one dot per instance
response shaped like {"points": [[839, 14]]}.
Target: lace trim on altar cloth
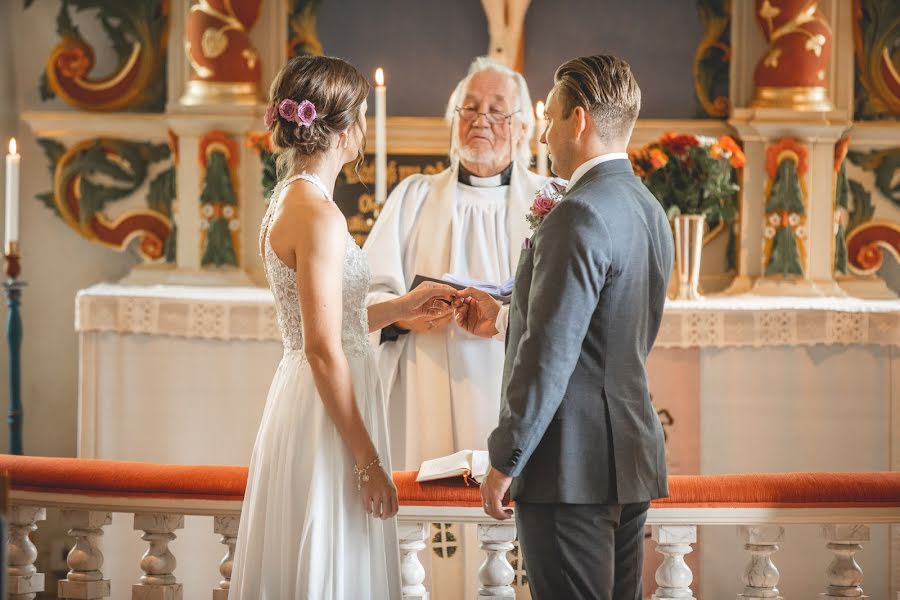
{"points": [[249, 314]]}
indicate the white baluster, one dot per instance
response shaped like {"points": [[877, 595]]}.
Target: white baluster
{"points": [[496, 574], [158, 563], [227, 527], [844, 575], [412, 573], [673, 576], [760, 575], [24, 580], [85, 578]]}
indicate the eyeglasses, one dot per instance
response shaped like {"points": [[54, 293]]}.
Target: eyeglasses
{"points": [[494, 117]]}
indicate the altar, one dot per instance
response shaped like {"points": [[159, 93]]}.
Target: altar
{"points": [[176, 374]]}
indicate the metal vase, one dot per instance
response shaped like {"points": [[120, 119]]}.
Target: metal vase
{"points": [[688, 247]]}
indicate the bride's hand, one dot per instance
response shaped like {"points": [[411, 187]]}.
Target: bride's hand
{"points": [[379, 496], [428, 301]]}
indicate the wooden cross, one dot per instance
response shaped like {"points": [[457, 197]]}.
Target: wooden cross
{"points": [[506, 26]]}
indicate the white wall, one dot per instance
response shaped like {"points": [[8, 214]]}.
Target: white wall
{"points": [[56, 262]]}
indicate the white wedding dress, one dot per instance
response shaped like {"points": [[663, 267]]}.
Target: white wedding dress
{"points": [[303, 531]]}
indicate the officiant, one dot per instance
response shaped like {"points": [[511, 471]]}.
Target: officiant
{"points": [[443, 384]]}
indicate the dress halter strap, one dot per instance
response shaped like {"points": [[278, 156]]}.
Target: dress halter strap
{"points": [[310, 177]]}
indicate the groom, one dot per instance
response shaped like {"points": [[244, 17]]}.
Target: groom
{"points": [[579, 445]]}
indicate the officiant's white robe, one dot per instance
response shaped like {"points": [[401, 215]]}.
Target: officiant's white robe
{"points": [[443, 388]]}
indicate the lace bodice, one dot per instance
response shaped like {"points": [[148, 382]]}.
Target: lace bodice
{"points": [[283, 283]]}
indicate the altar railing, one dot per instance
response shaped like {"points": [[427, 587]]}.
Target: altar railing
{"points": [[159, 496]]}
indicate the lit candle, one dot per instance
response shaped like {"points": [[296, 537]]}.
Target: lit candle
{"points": [[12, 195], [541, 148], [380, 137]]}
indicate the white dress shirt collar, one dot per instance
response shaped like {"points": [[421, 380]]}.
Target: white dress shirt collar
{"points": [[590, 164]]}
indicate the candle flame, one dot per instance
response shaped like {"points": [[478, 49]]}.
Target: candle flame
{"points": [[539, 110], [379, 76], [12, 145]]}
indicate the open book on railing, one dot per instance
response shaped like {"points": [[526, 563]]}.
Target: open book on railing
{"points": [[470, 464]]}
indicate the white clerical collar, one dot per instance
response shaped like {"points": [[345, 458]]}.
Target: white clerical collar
{"points": [[485, 182], [590, 164]]}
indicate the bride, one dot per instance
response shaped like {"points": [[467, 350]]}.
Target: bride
{"points": [[317, 520]]}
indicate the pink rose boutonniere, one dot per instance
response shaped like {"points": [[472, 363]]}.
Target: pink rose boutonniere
{"points": [[545, 200]]}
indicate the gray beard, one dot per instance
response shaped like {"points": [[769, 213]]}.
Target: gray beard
{"points": [[478, 157]]}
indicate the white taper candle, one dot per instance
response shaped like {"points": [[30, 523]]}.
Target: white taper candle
{"points": [[12, 194], [380, 137]]}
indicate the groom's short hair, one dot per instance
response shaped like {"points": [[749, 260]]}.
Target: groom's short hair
{"points": [[605, 87]]}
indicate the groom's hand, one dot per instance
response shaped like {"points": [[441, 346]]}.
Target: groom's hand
{"points": [[476, 312], [493, 491]]}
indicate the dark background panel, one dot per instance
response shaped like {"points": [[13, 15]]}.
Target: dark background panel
{"points": [[425, 46]]}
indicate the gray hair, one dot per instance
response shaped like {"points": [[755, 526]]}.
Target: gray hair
{"points": [[522, 153]]}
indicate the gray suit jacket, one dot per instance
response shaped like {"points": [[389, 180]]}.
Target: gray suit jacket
{"points": [[576, 423]]}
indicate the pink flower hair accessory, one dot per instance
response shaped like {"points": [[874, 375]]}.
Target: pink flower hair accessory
{"points": [[306, 113], [287, 108], [302, 114], [269, 118]]}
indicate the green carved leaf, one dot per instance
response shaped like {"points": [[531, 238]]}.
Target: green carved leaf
{"points": [[64, 24], [786, 194], [784, 258], [269, 176], [884, 164], [840, 250], [44, 88], [46, 198], [162, 192], [842, 191], [157, 152], [171, 243], [219, 249], [53, 150], [120, 44], [862, 209], [217, 185]]}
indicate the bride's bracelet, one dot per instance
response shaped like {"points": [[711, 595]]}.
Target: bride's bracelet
{"points": [[362, 475]]}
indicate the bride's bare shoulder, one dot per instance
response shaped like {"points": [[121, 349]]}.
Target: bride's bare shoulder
{"points": [[304, 213]]}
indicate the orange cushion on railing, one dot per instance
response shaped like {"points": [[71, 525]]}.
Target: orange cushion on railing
{"points": [[446, 492], [120, 478], [791, 490]]}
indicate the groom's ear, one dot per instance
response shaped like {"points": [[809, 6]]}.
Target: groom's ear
{"points": [[579, 121]]}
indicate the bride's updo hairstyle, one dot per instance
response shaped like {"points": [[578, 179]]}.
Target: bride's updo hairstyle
{"points": [[311, 101]]}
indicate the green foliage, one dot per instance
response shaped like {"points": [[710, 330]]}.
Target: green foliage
{"points": [[692, 180]]}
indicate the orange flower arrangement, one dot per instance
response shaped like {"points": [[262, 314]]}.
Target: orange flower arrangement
{"points": [[692, 174]]}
